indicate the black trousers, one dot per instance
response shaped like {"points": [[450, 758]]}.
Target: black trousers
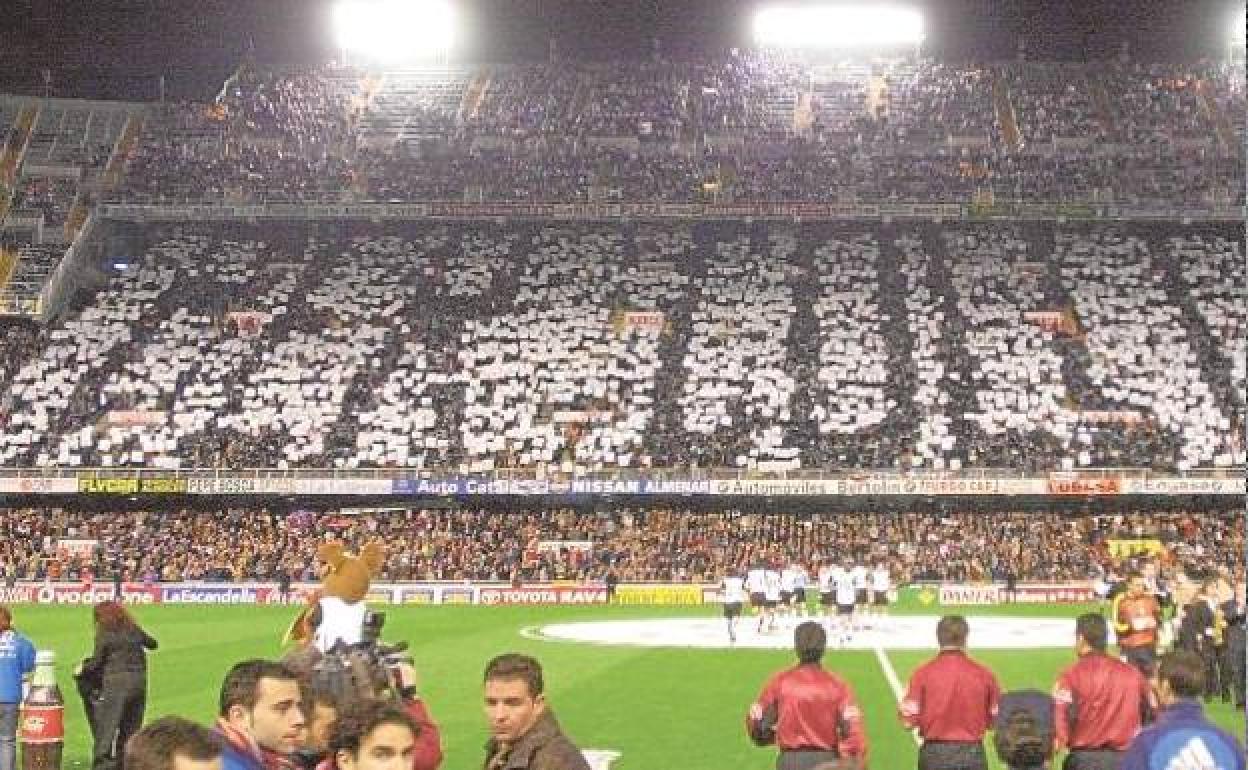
{"points": [[934, 755], [814, 760], [1234, 669], [118, 715], [1092, 760]]}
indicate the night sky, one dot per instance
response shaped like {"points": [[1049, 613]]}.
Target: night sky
{"points": [[118, 48]]}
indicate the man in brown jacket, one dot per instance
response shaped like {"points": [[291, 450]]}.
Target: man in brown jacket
{"points": [[526, 735]]}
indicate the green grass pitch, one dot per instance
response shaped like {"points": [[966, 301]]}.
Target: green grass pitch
{"points": [[662, 708]]}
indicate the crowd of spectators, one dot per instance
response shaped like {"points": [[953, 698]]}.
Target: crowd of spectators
{"points": [[581, 349], [652, 543], [635, 132]]}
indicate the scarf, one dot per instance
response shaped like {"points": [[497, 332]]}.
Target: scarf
{"points": [[244, 744]]}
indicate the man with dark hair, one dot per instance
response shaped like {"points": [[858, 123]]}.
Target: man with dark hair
{"points": [[260, 716], [173, 743], [373, 735], [1099, 703], [1137, 616], [808, 712], [1182, 739], [525, 733], [952, 701], [1023, 732]]}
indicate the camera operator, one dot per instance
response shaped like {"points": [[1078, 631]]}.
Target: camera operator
{"points": [[350, 675], [324, 705]]}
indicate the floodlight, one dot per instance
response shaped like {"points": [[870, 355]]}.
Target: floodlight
{"points": [[838, 26], [394, 30]]}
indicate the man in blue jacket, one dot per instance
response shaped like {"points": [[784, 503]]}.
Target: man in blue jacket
{"points": [[17, 661], [260, 716], [1182, 738]]}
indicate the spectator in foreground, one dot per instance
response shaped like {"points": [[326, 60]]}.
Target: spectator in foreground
{"points": [[373, 735], [260, 716], [1183, 737], [525, 733], [17, 662], [810, 713], [1023, 732], [173, 743]]}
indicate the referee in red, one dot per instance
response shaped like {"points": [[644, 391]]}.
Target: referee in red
{"points": [[1099, 703], [810, 713], [952, 700]]}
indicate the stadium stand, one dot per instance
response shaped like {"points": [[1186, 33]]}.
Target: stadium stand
{"points": [[657, 543], [579, 348]]}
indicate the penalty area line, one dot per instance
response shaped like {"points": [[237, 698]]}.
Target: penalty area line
{"points": [[894, 682]]}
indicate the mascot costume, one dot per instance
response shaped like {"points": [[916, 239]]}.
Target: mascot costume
{"points": [[337, 612]]}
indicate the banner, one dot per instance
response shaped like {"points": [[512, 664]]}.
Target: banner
{"points": [[1060, 484], [555, 546], [1122, 549], [953, 595], [249, 322], [550, 595], [681, 595], [84, 549], [39, 486], [1179, 486], [643, 320], [77, 593], [132, 486], [136, 417], [864, 484]]}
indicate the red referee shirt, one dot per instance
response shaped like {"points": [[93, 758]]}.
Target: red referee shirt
{"points": [[951, 698], [1099, 703], [814, 709]]}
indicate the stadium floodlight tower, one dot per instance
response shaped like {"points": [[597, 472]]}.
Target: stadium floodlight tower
{"points": [[394, 32], [839, 27]]}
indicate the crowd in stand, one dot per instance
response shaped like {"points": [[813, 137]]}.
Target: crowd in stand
{"points": [[651, 543], [640, 132], [582, 349]]}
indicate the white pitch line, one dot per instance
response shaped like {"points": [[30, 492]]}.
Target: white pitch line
{"points": [[894, 682]]}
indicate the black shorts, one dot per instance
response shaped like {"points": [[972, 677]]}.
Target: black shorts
{"points": [[861, 596], [799, 596], [827, 599], [732, 610], [844, 609], [770, 604], [881, 599], [786, 597], [758, 600]]}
